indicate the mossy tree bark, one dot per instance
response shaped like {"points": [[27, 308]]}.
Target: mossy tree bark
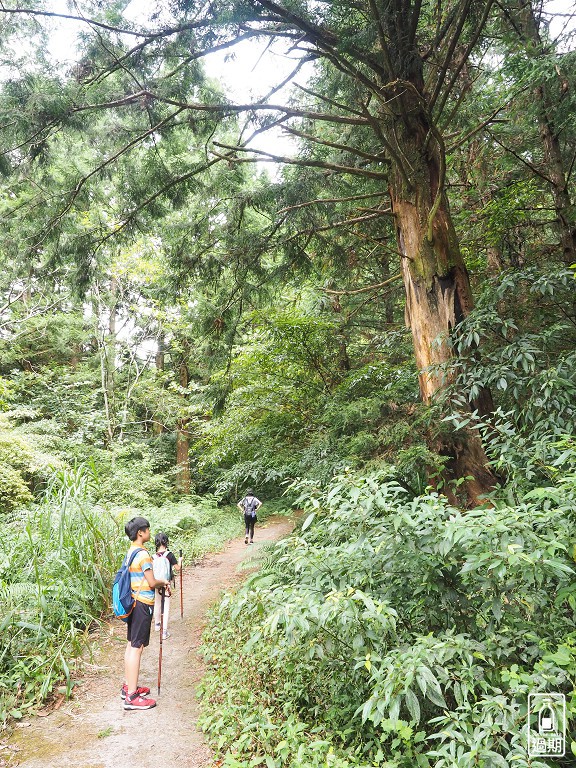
{"points": [[436, 281]]}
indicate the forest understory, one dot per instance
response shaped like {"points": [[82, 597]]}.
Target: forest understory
{"points": [[326, 251]]}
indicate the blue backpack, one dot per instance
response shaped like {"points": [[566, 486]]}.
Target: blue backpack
{"points": [[122, 600]]}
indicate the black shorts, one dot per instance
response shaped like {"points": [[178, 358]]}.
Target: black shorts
{"points": [[139, 623]]}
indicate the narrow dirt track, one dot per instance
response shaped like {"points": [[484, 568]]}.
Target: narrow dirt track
{"points": [[92, 730]]}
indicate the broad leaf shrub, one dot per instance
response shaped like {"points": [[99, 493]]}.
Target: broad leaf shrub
{"points": [[395, 632], [526, 358]]}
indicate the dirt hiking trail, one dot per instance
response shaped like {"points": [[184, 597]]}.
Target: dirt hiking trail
{"points": [[92, 730]]}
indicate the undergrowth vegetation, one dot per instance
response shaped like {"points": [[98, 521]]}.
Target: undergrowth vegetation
{"points": [[397, 631], [55, 569], [383, 328]]}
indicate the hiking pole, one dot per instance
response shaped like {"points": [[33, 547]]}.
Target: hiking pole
{"points": [[181, 593], [162, 595]]}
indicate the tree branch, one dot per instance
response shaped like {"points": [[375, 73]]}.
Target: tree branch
{"points": [[449, 57], [334, 145], [414, 22], [221, 109], [185, 62], [398, 159], [441, 181], [71, 17], [355, 220], [376, 287], [464, 58], [331, 200], [269, 157], [322, 37], [478, 128], [382, 40], [108, 161], [520, 159], [320, 97]]}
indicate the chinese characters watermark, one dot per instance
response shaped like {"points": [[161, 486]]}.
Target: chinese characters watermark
{"points": [[546, 724]]}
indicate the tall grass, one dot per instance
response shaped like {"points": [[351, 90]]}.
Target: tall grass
{"points": [[56, 564]]}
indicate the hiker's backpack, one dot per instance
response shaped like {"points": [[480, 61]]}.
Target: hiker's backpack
{"points": [[122, 600], [250, 503], [161, 566]]}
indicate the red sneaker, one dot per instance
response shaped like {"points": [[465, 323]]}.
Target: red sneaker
{"points": [[142, 690], [137, 701]]}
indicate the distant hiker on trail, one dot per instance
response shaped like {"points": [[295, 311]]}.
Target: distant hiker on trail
{"points": [[164, 564], [249, 505], [143, 583]]}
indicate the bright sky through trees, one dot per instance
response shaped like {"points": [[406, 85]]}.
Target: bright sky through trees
{"points": [[249, 70]]}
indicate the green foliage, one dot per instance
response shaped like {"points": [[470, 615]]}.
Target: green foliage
{"points": [[401, 632], [528, 362], [57, 561], [391, 630], [56, 565], [196, 525], [292, 410], [14, 492], [23, 465], [136, 473], [45, 338]]}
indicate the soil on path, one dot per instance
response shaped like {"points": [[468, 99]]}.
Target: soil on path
{"points": [[92, 730]]}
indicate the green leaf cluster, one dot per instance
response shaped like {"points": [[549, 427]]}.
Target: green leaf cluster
{"points": [[404, 632]]}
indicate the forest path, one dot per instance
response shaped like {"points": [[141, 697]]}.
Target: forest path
{"points": [[92, 730]]}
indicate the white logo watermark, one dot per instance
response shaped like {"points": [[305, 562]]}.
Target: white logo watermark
{"points": [[546, 724]]}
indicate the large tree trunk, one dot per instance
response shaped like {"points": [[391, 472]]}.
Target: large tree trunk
{"points": [[183, 478], [437, 289], [107, 349], [555, 171], [111, 352], [400, 109], [437, 286]]}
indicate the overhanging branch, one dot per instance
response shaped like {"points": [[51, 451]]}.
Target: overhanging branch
{"points": [[334, 145], [221, 109], [326, 200], [72, 17], [269, 157], [522, 160], [355, 220], [321, 97], [376, 287]]}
